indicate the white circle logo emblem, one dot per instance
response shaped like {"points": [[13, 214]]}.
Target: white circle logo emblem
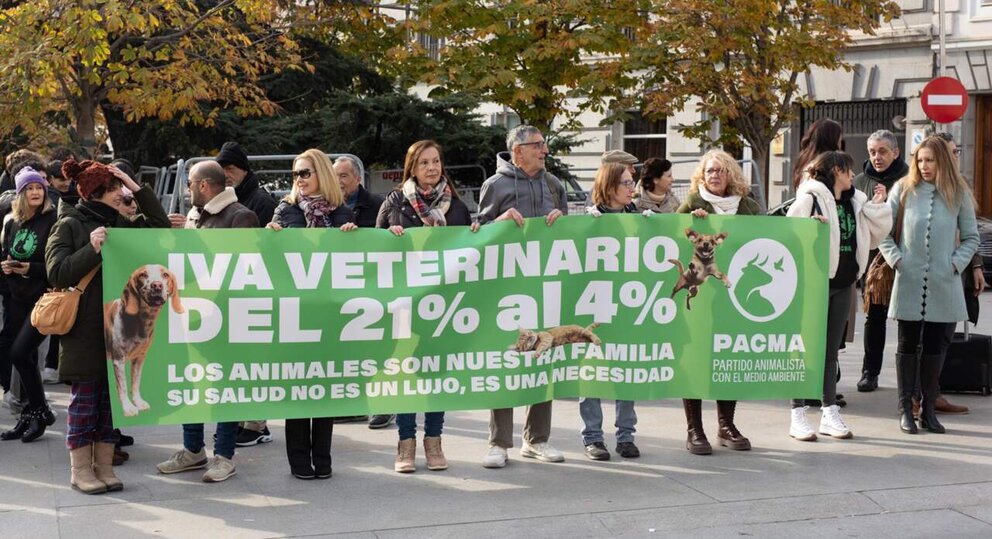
{"points": [[764, 279]]}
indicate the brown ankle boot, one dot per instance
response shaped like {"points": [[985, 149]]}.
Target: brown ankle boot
{"points": [[81, 476], [103, 466], [696, 442], [435, 456], [728, 435], [406, 455]]}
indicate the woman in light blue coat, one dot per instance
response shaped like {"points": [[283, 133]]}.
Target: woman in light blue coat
{"points": [[939, 237]]}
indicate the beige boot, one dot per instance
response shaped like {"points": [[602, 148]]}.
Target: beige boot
{"points": [[82, 477], [435, 456], [103, 466], [406, 454]]}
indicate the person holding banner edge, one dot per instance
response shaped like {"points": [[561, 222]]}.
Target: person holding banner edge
{"points": [[315, 201], [612, 192], [215, 206], [717, 186], [73, 250], [856, 227], [522, 188], [426, 197]]}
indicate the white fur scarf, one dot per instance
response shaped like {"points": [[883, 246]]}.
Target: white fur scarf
{"points": [[721, 205]]}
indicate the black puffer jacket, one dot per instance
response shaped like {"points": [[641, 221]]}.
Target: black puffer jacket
{"points": [[256, 198], [396, 210], [367, 208], [68, 258], [291, 216]]}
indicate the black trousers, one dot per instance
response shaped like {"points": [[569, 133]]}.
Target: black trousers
{"points": [[24, 351], [874, 339], [308, 441]]}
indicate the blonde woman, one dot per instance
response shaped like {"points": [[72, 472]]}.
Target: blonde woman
{"points": [[315, 201], [927, 297], [718, 186]]}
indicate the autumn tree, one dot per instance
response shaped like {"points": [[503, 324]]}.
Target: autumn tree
{"points": [[742, 60], [181, 59], [546, 61]]}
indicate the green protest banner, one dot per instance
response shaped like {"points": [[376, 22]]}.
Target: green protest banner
{"points": [[222, 325]]}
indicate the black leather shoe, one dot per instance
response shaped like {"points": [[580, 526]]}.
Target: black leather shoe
{"points": [[302, 472], [39, 420], [867, 383], [18, 431]]}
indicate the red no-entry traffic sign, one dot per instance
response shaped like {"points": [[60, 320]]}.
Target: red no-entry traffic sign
{"points": [[944, 100]]}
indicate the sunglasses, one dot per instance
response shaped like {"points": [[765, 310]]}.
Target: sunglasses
{"points": [[302, 174], [128, 200]]}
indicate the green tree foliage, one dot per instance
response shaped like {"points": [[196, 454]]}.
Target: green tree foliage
{"points": [[548, 61], [164, 59], [743, 59]]}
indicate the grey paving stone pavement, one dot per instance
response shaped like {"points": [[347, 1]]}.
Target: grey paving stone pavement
{"points": [[882, 483]]}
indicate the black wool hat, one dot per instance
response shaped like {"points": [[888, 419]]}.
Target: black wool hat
{"points": [[231, 153]]}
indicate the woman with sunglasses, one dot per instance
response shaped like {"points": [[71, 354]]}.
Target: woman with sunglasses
{"points": [[425, 198], [612, 192], [315, 201]]}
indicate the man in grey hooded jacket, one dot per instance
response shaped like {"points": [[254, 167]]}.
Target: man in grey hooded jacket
{"points": [[522, 188]]}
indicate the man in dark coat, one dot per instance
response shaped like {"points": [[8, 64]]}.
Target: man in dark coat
{"points": [[364, 204], [234, 159]]}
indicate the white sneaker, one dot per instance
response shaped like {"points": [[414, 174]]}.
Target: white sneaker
{"points": [[50, 376], [832, 424], [495, 458], [542, 451], [800, 429]]}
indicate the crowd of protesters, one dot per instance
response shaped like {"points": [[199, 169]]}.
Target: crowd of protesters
{"points": [[56, 213]]}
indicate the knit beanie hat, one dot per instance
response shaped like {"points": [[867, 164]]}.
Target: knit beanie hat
{"points": [[88, 175], [231, 153], [28, 175]]}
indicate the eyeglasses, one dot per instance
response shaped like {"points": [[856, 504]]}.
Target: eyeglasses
{"points": [[537, 144], [189, 183], [128, 200], [302, 173], [713, 171], [627, 183]]}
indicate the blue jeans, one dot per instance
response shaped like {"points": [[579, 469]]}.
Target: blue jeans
{"points": [[592, 415], [227, 434], [407, 424]]}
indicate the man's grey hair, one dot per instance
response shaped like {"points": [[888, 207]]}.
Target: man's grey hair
{"points": [[356, 167], [210, 172], [519, 135], [885, 136]]}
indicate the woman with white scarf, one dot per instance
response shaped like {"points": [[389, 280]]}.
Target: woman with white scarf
{"points": [[718, 186], [425, 198], [315, 201]]}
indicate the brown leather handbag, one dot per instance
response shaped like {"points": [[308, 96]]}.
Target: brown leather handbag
{"points": [[55, 312], [880, 276]]}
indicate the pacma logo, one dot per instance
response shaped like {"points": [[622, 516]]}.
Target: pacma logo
{"points": [[763, 273]]}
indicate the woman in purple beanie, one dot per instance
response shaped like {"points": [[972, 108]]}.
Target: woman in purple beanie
{"points": [[22, 259]]}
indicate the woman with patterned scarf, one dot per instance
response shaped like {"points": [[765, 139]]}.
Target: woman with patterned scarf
{"points": [[425, 198], [315, 201]]}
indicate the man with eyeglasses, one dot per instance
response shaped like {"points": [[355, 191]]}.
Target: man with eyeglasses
{"points": [[214, 206], [884, 166], [522, 188]]}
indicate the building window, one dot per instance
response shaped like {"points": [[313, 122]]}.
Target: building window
{"points": [[645, 138], [431, 46]]}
